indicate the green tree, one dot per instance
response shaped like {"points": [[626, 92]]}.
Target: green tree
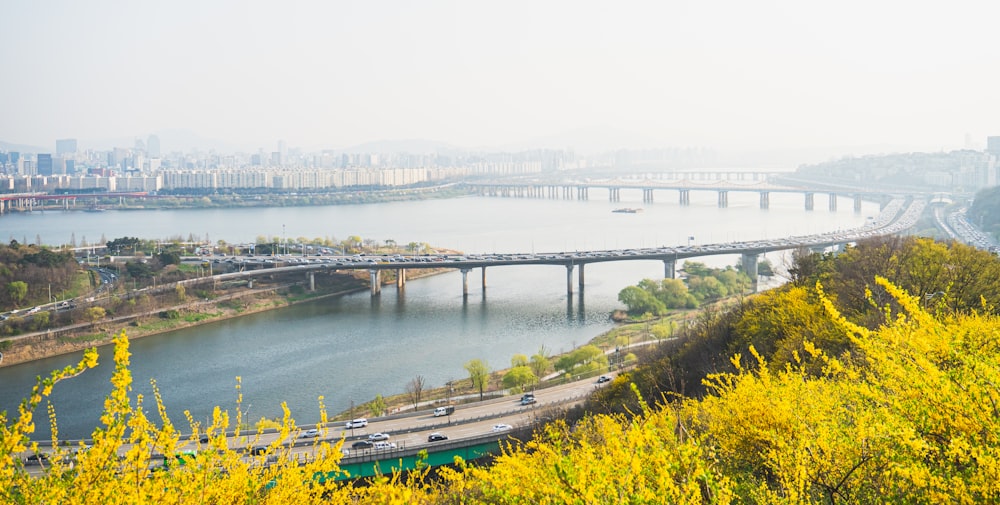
{"points": [[377, 406], [519, 377], [95, 314], [518, 360], [17, 291], [479, 374], [540, 362], [639, 301]]}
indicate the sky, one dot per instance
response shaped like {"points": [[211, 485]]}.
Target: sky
{"points": [[735, 74]]}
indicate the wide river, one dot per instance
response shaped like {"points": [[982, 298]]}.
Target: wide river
{"points": [[352, 348]]}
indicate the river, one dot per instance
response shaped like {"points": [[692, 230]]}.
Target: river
{"points": [[351, 348]]}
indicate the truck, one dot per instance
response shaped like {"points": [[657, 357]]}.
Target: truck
{"points": [[447, 410]]}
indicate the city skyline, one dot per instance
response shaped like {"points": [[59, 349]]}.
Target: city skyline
{"points": [[726, 75]]}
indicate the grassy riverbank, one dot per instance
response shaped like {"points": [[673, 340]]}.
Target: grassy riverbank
{"points": [[166, 311]]}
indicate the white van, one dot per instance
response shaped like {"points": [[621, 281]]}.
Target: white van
{"points": [[444, 411]]}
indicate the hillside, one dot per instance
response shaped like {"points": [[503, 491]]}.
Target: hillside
{"points": [[870, 378]]}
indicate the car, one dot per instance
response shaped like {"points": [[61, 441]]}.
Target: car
{"points": [[204, 438], [602, 379], [528, 400], [378, 436], [381, 446], [357, 423], [362, 444], [313, 433], [434, 437], [257, 450], [447, 410], [497, 428], [36, 459]]}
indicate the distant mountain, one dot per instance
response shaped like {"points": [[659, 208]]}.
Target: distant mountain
{"points": [[21, 148]]}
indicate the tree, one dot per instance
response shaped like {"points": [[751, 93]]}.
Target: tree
{"points": [[95, 314], [415, 389], [519, 377], [518, 360], [540, 362], [638, 301], [17, 291], [479, 374], [377, 406]]}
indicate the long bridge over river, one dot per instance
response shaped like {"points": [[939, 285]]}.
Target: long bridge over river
{"points": [[896, 217], [683, 184]]}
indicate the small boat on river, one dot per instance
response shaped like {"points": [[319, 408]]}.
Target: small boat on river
{"points": [[627, 210]]}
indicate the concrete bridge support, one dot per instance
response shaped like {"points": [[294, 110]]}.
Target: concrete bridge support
{"points": [[669, 272], [569, 279], [765, 200], [723, 199], [833, 202], [614, 194], [810, 201], [567, 192], [750, 267], [581, 193], [375, 277], [484, 279], [312, 281], [400, 278], [580, 278], [465, 282], [684, 197], [647, 195], [857, 203]]}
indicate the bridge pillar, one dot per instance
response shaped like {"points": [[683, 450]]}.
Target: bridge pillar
{"points": [[750, 267], [833, 202], [484, 278], [465, 282], [375, 277], [581, 193], [668, 269], [809, 201], [723, 199], [857, 203], [613, 195], [312, 281], [765, 200], [685, 197], [400, 278], [569, 279], [647, 195], [580, 277]]}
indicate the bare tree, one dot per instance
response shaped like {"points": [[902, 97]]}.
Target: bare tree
{"points": [[415, 389]]}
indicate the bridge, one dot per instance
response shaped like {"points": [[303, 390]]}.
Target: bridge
{"points": [[28, 201], [647, 184], [896, 217]]}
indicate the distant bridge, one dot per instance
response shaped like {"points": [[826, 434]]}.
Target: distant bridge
{"points": [[580, 190], [896, 217], [27, 201]]}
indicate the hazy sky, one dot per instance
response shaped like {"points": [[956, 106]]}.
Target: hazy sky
{"points": [[726, 73]]}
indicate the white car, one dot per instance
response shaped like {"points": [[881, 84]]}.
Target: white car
{"points": [[381, 446], [378, 436], [357, 423], [313, 433], [497, 428]]}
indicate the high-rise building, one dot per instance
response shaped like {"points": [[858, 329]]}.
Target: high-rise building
{"points": [[44, 164], [993, 145], [65, 146], [153, 146]]}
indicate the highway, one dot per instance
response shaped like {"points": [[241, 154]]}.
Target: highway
{"points": [[409, 430]]}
